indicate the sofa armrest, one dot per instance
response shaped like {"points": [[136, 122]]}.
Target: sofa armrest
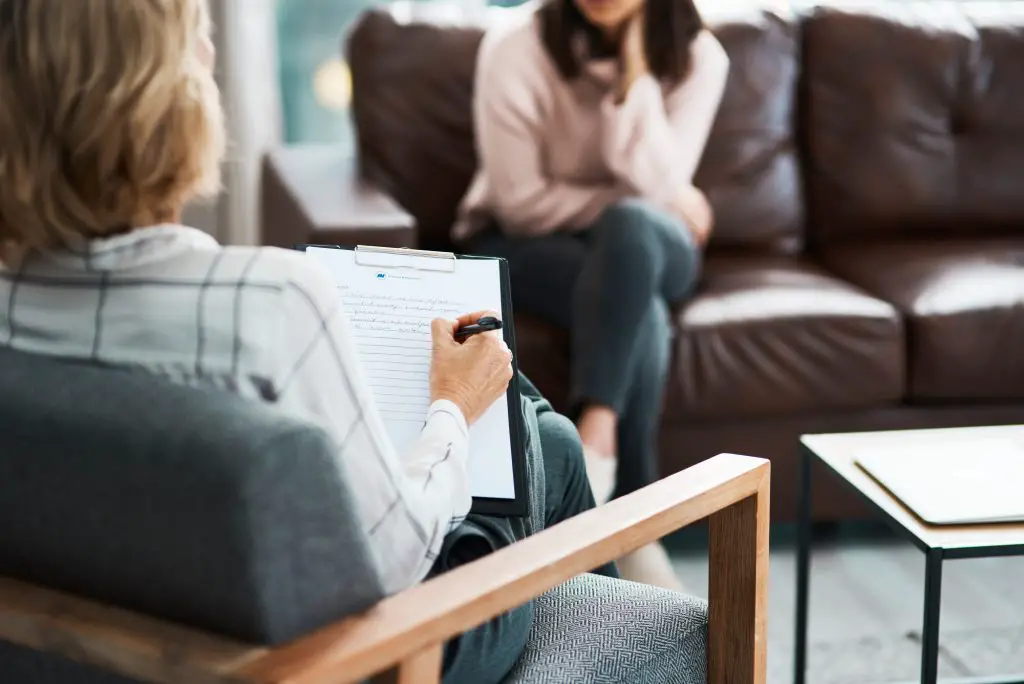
{"points": [[410, 628], [313, 194]]}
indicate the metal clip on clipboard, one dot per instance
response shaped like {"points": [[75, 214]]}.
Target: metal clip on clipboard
{"points": [[403, 257]]}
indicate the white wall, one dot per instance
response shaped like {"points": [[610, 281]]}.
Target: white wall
{"points": [[247, 71]]}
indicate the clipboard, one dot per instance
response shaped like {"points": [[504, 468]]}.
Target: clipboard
{"points": [[387, 260]]}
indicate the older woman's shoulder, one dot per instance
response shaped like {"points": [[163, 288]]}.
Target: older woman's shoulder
{"points": [[283, 270]]}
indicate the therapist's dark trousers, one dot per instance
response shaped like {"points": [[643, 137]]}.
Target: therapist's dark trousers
{"points": [[558, 489], [612, 286]]}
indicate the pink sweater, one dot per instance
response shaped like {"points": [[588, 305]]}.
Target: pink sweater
{"points": [[554, 154]]}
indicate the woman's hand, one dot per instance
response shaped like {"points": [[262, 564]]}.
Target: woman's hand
{"points": [[696, 210], [472, 375], [632, 55]]}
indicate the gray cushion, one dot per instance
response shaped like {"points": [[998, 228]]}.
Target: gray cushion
{"points": [[596, 630], [24, 666], [189, 505]]}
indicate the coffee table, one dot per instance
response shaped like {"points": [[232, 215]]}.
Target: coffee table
{"points": [[948, 542]]}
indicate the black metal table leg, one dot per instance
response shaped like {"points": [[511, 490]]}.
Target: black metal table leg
{"points": [[803, 568], [932, 609]]}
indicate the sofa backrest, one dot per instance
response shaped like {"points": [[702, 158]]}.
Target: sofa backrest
{"points": [[913, 119], [412, 105], [190, 505], [412, 88]]}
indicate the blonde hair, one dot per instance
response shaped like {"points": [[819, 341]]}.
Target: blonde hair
{"points": [[108, 118]]}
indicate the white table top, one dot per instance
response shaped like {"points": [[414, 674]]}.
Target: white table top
{"points": [[839, 452]]}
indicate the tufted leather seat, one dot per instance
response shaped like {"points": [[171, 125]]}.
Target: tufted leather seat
{"points": [[963, 301], [767, 336]]}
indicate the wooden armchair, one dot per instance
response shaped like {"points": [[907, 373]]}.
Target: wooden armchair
{"points": [[406, 632], [215, 523]]}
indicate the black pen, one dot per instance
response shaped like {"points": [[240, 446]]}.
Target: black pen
{"points": [[484, 324]]}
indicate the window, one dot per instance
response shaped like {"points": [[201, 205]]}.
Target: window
{"points": [[315, 83]]}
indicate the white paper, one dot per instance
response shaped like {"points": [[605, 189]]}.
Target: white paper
{"points": [[390, 310]]}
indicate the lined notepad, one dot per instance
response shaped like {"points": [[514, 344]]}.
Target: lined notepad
{"points": [[390, 310]]}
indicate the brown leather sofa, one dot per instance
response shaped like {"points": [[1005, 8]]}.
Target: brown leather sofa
{"points": [[867, 171]]}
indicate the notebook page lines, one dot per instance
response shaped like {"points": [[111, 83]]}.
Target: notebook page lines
{"points": [[393, 338]]}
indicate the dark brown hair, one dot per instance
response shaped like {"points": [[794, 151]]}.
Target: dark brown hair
{"points": [[669, 28]]}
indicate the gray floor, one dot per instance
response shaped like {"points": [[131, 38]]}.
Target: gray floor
{"points": [[866, 609]]}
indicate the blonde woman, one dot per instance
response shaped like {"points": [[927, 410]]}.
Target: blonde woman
{"points": [[110, 124]]}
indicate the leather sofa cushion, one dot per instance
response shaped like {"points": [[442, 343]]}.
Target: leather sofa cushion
{"points": [[964, 308], [412, 89], [912, 118], [775, 335]]}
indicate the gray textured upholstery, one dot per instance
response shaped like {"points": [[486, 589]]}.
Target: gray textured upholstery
{"points": [[596, 630], [204, 509], [193, 506], [24, 666]]}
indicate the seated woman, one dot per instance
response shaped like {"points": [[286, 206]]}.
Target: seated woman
{"points": [[110, 124], [591, 119]]}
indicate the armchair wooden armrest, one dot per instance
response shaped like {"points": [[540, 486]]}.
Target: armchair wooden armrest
{"points": [[407, 631]]}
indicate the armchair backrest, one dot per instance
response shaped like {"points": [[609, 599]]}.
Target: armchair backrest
{"points": [[194, 506]]}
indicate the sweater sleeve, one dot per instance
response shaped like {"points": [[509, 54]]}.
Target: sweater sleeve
{"points": [[653, 143], [508, 113], [407, 501]]}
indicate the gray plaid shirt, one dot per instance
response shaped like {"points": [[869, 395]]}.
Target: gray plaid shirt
{"points": [[263, 323]]}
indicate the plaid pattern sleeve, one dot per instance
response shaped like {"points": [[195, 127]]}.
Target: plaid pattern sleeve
{"points": [[260, 322], [409, 501]]}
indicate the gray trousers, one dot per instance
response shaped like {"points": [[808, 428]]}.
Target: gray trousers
{"points": [[612, 286], [558, 487]]}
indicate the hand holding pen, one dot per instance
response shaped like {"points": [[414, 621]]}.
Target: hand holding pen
{"points": [[482, 324], [469, 369]]}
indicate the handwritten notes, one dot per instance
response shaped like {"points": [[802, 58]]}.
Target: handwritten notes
{"points": [[390, 313], [393, 338]]}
